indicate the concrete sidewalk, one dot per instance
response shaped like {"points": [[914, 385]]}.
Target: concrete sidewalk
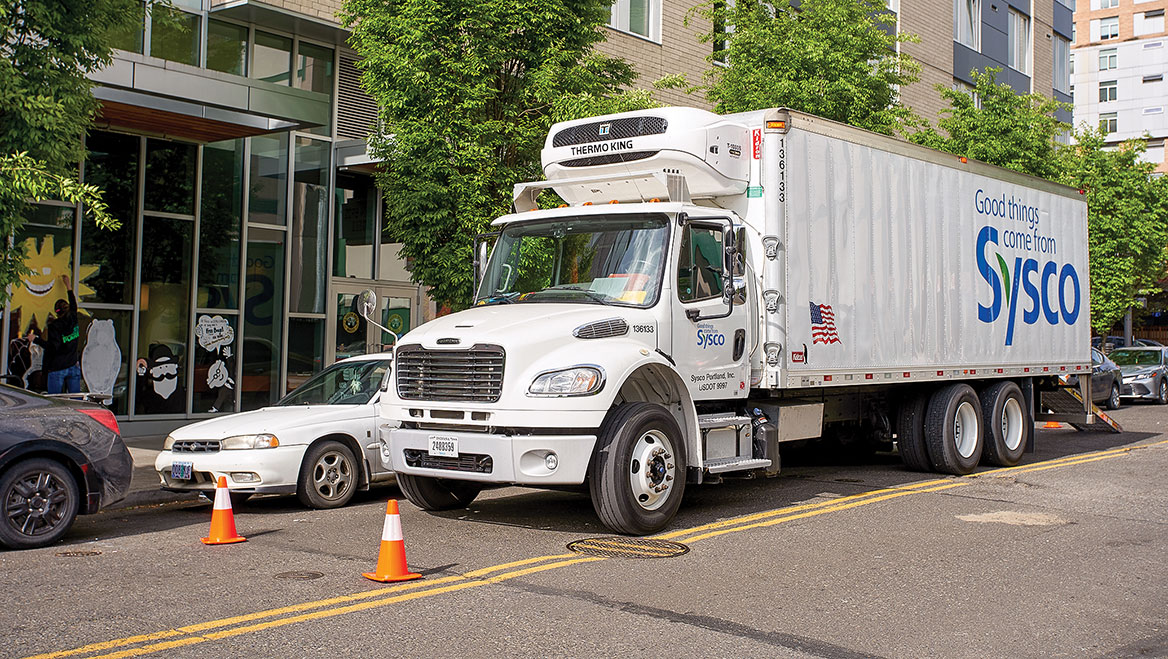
{"points": [[144, 490]]}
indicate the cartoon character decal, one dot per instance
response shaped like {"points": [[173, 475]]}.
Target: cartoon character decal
{"points": [[102, 358], [159, 390], [42, 286], [216, 336]]}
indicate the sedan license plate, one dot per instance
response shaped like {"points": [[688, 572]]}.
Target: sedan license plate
{"points": [[182, 470], [444, 447]]}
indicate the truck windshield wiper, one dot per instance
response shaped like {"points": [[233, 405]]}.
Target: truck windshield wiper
{"points": [[509, 298], [591, 295]]}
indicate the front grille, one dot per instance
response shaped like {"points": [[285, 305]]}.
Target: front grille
{"points": [[195, 446], [616, 129], [474, 375], [473, 462], [609, 158], [602, 329]]}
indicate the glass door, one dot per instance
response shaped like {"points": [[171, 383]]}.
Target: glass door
{"points": [[351, 334]]}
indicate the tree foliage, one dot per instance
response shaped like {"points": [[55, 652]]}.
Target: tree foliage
{"points": [[1127, 208], [997, 125], [1127, 221], [833, 58], [467, 90], [46, 106]]}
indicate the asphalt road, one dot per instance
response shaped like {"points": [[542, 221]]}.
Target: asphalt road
{"points": [[1062, 556]]}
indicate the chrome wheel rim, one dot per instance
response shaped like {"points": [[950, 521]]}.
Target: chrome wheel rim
{"points": [[965, 429], [652, 469], [1113, 402], [36, 504], [332, 475], [1012, 424]]}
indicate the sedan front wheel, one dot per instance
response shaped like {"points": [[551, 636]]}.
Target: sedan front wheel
{"points": [[328, 475]]}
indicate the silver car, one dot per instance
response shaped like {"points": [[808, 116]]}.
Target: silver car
{"points": [[1145, 372]]}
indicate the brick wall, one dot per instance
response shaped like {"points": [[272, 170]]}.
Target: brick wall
{"points": [[322, 9], [932, 22], [678, 52]]}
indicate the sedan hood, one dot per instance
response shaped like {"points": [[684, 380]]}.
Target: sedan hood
{"points": [[269, 419], [1138, 370]]}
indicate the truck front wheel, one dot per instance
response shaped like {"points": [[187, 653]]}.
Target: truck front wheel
{"points": [[437, 493], [953, 429], [637, 476]]}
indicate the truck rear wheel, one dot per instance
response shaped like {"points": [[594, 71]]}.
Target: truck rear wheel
{"points": [[910, 432], [637, 476], [953, 430], [438, 493], [1007, 424]]}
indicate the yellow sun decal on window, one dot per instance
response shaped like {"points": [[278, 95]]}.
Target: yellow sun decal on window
{"points": [[42, 287]]}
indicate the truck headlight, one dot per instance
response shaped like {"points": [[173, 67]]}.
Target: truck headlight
{"points": [[263, 440], [575, 381]]}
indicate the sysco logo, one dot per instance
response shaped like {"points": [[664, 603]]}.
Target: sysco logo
{"points": [[709, 337], [1043, 285]]}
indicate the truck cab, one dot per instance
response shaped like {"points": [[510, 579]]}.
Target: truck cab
{"points": [[597, 330]]}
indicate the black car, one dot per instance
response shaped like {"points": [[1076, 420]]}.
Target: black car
{"points": [[58, 458], [1106, 380]]}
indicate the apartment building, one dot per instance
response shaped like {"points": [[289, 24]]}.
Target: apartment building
{"points": [[1029, 40], [1120, 60]]}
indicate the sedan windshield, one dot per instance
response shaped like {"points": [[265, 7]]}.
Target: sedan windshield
{"points": [[609, 259], [1137, 357], [343, 383]]}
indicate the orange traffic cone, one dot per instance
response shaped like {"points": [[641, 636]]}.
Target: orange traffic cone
{"points": [[1053, 424], [391, 560], [222, 519]]}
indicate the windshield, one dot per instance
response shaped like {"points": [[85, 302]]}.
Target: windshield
{"points": [[609, 259], [343, 383], [1136, 357]]}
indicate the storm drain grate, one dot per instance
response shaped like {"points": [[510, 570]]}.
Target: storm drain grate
{"points": [[300, 575], [77, 554], [621, 547]]}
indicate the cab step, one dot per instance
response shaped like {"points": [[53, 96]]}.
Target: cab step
{"points": [[721, 420], [723, 465]]}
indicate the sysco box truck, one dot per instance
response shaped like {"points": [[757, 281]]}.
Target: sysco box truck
{"points": [[718, 285]]}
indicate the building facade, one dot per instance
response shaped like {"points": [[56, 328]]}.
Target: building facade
{"points": [[1029, 40], [232, 145], [1120, 60]]}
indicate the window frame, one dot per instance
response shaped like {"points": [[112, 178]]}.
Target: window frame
{"points": [[1111, 119], [687, 230], [619, 19], [1112, 58], [1018, 55], [1109, 21], [974, 23], [1108, 91]]}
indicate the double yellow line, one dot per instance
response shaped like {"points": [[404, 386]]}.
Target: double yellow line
{"points": [[327, 608]]}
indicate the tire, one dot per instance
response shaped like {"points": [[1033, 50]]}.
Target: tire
{"points": [[328, 475], [952, 411], [637, 476], [39, 500], [1113, 399], [438, 493], [910, 432], [1006, 422], [1162, 397]]}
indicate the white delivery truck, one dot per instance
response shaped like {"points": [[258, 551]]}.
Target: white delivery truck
{"points": [[716, 286]]}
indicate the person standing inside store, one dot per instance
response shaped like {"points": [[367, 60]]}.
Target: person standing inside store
{"points": [[60, 344]]}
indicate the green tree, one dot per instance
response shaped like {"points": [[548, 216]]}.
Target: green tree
{"points": [[997, 125], [467, 90], [833, 58], [1127, 213], [46, 106]]}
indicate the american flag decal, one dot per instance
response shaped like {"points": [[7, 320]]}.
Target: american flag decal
{"points": [[823, 324]]}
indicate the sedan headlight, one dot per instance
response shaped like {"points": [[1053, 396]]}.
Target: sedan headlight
{"points": [[263, 440], [168, 444], [576, 381]]}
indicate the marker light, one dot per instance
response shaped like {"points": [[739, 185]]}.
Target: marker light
{"points": [[776, 125]]}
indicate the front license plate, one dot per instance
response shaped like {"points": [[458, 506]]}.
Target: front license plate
{"points": [[444, 447], [182, 470]]}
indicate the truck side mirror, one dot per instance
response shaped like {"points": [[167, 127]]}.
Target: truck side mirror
{"points": [[367, 303]]}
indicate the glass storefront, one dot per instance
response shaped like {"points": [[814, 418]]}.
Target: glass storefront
{"points": [[232, 278]]}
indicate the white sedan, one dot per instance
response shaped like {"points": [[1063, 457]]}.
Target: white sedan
{"points": [[320, 441]]}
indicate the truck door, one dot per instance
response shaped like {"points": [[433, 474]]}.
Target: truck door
{"points": [[710, 337]]}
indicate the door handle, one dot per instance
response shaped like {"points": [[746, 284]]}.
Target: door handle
{"points": [[739, 343]]}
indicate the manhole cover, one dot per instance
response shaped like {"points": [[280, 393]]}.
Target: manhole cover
{"points": [[76, 554], [300, 575], [621, 547]]}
